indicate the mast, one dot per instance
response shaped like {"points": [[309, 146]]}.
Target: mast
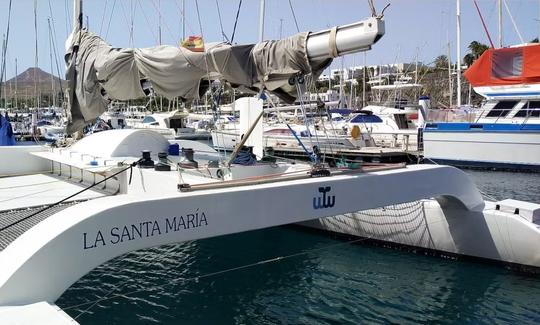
{"points": [[450, 86], [183, 19], [261, 22], [16, 86], [364, 71], [53, 93], [458, 45], [2, 74], [159, 22], [500, 12], [77, 13], [36, 62]]}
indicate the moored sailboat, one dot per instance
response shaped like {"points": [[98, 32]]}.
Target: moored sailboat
{"points": [[127, 201]]}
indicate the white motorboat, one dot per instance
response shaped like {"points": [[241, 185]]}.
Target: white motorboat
{"points": [[505, 132], [172, 125]]}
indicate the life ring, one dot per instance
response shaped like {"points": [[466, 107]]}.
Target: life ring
{"points": [[355, 132], [219, 173]]}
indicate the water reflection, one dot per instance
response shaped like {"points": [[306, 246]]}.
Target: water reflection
{"points": [[344, 284]]}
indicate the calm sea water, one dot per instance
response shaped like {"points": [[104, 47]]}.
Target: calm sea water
{"points": [[329, 282]]}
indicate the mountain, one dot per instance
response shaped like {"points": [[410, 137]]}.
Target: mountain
{"points": [[25, 83]]}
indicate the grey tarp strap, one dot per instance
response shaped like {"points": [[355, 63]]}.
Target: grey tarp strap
{"points": [[332, 47]]}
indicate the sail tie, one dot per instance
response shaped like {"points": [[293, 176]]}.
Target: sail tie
{"points": [[332, 46]]}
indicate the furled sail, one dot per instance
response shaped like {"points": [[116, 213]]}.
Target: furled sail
{"points": [[98, 71]]}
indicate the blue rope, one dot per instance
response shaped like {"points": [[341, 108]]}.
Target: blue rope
{"points": [[312, 156], [245, 158]]}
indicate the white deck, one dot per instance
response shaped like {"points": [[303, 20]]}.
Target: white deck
{"points": [[40, 189], [41, 313]]}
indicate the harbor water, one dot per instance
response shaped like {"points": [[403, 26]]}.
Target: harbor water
{"points": [[288, 275]]}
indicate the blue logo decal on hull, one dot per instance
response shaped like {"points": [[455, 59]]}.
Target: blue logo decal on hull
{"points": [[324, 201]]}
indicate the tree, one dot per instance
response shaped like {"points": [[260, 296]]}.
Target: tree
{"points": [[441, 62], [477, 49], [535, 40], [468, 59]]}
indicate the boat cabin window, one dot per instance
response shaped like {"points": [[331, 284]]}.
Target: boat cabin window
{"points": [[361, 118], [148, 119], [502, 108], [507, 63], [530, 109]]}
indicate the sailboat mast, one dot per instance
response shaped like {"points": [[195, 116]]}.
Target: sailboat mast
{"points": [[16, 86], [364, 71], [183, 19], [458, 58], [2, 81], [53, 92], [36, 62], [500, 9], [77, 14], [450, 85], [261, 22]]}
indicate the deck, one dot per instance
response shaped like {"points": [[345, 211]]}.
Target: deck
{"points": [[24, 201]]}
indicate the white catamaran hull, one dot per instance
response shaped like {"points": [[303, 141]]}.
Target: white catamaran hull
{"points": [[489, 234], [39, 265]]}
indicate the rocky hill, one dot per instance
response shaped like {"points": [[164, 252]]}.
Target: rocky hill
{"points": [[28, 81]]}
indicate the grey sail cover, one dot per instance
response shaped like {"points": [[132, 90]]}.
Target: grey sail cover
{"points": [[98, 72]]}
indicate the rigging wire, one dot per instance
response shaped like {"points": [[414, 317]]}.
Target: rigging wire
{"points": [[110, 19], [66, 13], [4, 49], [294, 16], [157, 7], [185, 22], [55, 50], [223, 35], [103, 17], [236, 20], [513, 21], [147, 21]]}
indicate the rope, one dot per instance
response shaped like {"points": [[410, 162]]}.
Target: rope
{"points": [[236, 20], [245, 158], [55, 53], [67, 198], [294, 16], [221, 23]]}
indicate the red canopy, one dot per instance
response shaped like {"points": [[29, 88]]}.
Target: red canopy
{"points": [[506, 66]]}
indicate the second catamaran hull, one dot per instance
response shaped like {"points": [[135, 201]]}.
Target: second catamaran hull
{"points": [[489, 234]]}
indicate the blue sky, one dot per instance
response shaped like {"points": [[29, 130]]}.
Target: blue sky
{"points": [[413, 27]]}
